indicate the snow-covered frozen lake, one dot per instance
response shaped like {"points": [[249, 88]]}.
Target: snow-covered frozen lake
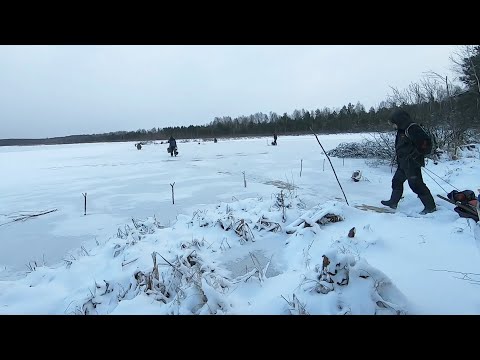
{"points": [[123, 183]]}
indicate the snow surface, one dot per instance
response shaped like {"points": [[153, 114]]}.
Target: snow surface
{"points": [[223, 248]]}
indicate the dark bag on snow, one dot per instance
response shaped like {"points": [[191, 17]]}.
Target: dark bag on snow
{"points": [[466, 198], [463, 196]]}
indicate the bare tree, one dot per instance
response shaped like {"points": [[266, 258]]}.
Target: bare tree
{"points": [[466, 53]]}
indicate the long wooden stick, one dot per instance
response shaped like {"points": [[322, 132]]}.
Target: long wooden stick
{"points": [[331, 166]]}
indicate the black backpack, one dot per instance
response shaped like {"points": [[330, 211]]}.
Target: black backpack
{"points": [[423, 140]]}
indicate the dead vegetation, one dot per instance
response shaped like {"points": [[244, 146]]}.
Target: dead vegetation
{"points": [[26, 215]]}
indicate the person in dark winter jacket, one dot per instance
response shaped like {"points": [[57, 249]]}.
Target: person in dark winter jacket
{"points": [[274, 139], [409, 162], [172, 148], [172, 142]]}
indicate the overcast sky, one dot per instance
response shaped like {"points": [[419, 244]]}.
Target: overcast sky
{"points": [[48, 91]]}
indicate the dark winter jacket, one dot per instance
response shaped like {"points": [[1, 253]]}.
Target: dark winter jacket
{"points": [[172, 142], [407, 155]]}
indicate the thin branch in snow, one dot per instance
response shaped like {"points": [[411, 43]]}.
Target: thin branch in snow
{"points": [[85, 250], [456, 272], [24, 217], [466, 275], [168, 262], [65, 312], [129, 262]]}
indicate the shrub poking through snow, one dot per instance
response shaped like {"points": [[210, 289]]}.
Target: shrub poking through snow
{"points": [[329, 212], [265, 224], [187, 285], [360, 288], [280, 203], [243, 230], [199, 218], [296, 307], [141, 228], [378, 146], [226, 222], [190, 275]]}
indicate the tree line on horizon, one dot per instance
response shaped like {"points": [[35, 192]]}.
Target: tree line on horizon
{"points": [[448, 109]]}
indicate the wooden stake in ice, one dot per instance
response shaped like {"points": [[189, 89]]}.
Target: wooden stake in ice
{"points": [[173, 196], [85, 204]]}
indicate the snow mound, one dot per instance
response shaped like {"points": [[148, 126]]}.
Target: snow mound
{"points": [[353, 286]]}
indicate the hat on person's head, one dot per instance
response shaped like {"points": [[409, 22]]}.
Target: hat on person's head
{"points": [[400, 118]]}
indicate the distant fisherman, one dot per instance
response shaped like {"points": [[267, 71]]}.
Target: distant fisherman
{"points": [[172, 149]]}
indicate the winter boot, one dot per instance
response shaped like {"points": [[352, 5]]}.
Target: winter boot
{"points": [[429, 204], [394, 199]]}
